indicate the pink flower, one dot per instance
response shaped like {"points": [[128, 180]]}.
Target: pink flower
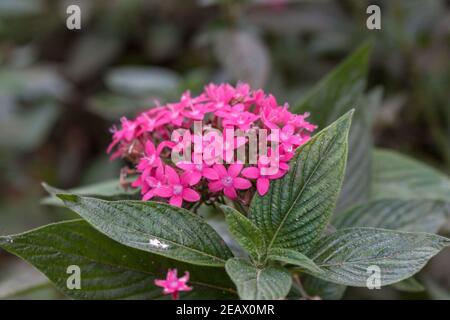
{"points": [[274, 116], [299, 122], [173, 114], [148, 123], [259, 174], [151, 158], [152, 184], [242, 120], [178, 188], [126, 134], [194, 172], [229, 181], [287, 138], [174, 285]]}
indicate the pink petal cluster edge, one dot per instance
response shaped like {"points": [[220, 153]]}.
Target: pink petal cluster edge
{"points": [[145, 143]]}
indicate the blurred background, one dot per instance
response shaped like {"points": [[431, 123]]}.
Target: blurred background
{"points": [[61, 90]]}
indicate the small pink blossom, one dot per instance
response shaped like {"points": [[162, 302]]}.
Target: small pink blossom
{"points": [[287, 138], [241, 120], [126, 134], [259, 174], [194, 172], [228, 180], [178, 188], [150, 159], [152, 184], [174, 285]]}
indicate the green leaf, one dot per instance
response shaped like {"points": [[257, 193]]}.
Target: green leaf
{"points": [[298, 206], [323, 289], [295, 258], [347, 254], [110, 190], [420, 215], [409, 285], [109, 270], [357, 180], [245, 232], [398, 176], [154, 227], [254, 283], [339, 91]]}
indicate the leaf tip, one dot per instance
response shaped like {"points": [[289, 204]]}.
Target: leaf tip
{"points": [[66, 197], [5, 241], [50, 190]]}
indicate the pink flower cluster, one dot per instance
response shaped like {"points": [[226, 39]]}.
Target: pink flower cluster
{"points": [[146, 143]]}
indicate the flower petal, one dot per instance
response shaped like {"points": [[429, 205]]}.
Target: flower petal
{"points": [[176, 201], [172, 175], [210, 174], [190, 178], [241, 183], [251, 173], [190, 195], [230, 193], [150, 148], [186, 166], [163, 192], [215, 186], [235, 169], [148, 195], [220, 169], [262, 185]]}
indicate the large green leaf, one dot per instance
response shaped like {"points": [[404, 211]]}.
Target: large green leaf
{"points": [[254, 283], [339, 91], [398, 176], [420, 215], [154, 227], [347, 254], [110, 190], [109, 270], [298, 206], [245, 232]]}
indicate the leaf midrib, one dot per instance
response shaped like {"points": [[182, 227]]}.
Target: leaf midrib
{"points": [[299, 194]]}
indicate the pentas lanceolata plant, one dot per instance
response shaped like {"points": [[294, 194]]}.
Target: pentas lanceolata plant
{"points": [[241, 139], [299, 238], [225, 142]]}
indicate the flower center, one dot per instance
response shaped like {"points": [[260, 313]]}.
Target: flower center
{"points": [[241, 120], [173, 284], [177, 189], [227, 181], [151, 159]]}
